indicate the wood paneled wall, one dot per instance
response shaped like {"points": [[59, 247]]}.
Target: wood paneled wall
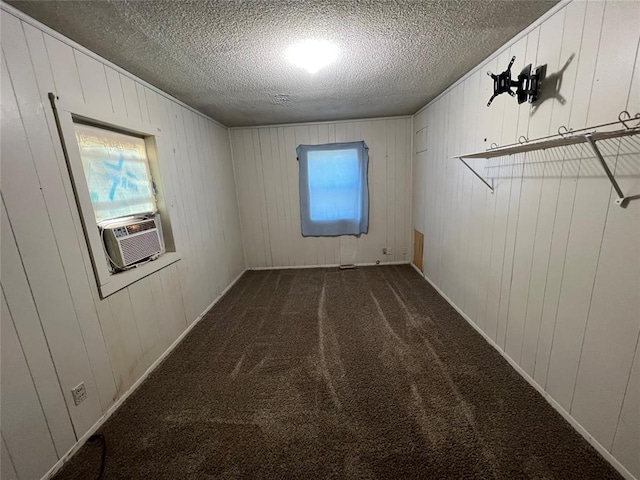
{"points": [[548, 267], [268, 193], [56, 332]]}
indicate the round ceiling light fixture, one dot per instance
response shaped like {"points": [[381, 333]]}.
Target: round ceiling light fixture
{"points": [[312, 55]]}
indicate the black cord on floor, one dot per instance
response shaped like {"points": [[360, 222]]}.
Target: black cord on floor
{"points": [[99, 438]]}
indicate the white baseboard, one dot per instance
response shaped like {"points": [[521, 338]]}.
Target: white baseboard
{"points": [[418, 270], [566, 415], [370, 264], [111, 410]]}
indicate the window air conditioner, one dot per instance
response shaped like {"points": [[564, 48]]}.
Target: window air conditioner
{"points": [[130, 242]]}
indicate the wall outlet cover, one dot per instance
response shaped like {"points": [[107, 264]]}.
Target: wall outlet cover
{"points": [[79, 394]]}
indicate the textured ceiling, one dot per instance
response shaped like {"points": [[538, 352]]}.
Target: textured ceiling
{"points": [[226, 58]]}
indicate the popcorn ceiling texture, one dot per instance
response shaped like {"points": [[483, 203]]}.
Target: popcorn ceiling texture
{"points": [[226, 58]]}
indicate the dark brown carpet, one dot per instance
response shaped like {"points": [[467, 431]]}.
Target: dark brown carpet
{"points": [[314, 374]]}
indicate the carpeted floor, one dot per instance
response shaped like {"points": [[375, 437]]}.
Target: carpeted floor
{"points": [[357, 374]]}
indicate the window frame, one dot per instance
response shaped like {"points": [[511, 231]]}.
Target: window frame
{"points": [[338, 227], [66, 117]]}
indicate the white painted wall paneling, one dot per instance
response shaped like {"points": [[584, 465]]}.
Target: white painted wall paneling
{"points": [[268, 193], [27, 436], [547, 266], [58, 331]]}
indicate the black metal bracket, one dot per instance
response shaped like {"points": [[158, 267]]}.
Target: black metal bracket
{"points": [[502, 83], [527, 85]]}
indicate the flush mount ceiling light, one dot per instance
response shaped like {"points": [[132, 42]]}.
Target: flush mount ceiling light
{"points": [[312, 55]]}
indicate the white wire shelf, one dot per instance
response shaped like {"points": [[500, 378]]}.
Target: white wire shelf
{"points": [[564, 138]]}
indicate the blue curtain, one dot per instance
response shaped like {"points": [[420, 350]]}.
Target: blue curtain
{"points": [[334, 190]]}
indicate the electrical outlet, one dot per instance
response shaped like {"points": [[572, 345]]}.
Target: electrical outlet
{"points": [[389, 251], [405, 250], [384, 251], [79, 394]]}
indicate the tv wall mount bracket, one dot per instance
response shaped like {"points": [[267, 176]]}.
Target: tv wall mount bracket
{"points": [[527, 85]]}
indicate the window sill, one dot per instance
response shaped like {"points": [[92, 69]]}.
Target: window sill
{"points": [[122, 280]]}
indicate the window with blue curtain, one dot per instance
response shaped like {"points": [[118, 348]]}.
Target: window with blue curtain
{"points": [[334, 190]]}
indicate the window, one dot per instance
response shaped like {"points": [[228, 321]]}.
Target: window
{"points": [[116, 178], [334, 191], [117, 172]]}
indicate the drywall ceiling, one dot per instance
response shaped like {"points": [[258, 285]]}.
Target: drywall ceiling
{"points": [[226, 58]]}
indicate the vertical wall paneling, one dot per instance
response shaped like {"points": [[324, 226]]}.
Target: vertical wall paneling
{"points": [[268, 193], [616, 58], [130, 97], [26, 206], [501, 172], [115, 91], [19, 301], [270, 189], [93, 79], [578, 111], [487, 118], [449, 188], [146, 317], [377, 184], [46, 83], [591, 202], [478, 197], [521, 212], [239, 161], [627, 437], [7, 470], [142, 102], [403, 207], [45, 159], [24, 427], [63, 68], [514, 169], [127, 336], [391, 175], [466, 221], [56, 330], [612, 327], [548, 204], [548, 265]]}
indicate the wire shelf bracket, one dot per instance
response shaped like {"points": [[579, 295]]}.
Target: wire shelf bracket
{"points": [[563, 138], [490, 185]]}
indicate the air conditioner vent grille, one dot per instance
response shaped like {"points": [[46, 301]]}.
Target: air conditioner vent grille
{"points": [[139, 247], [140, 227]]}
